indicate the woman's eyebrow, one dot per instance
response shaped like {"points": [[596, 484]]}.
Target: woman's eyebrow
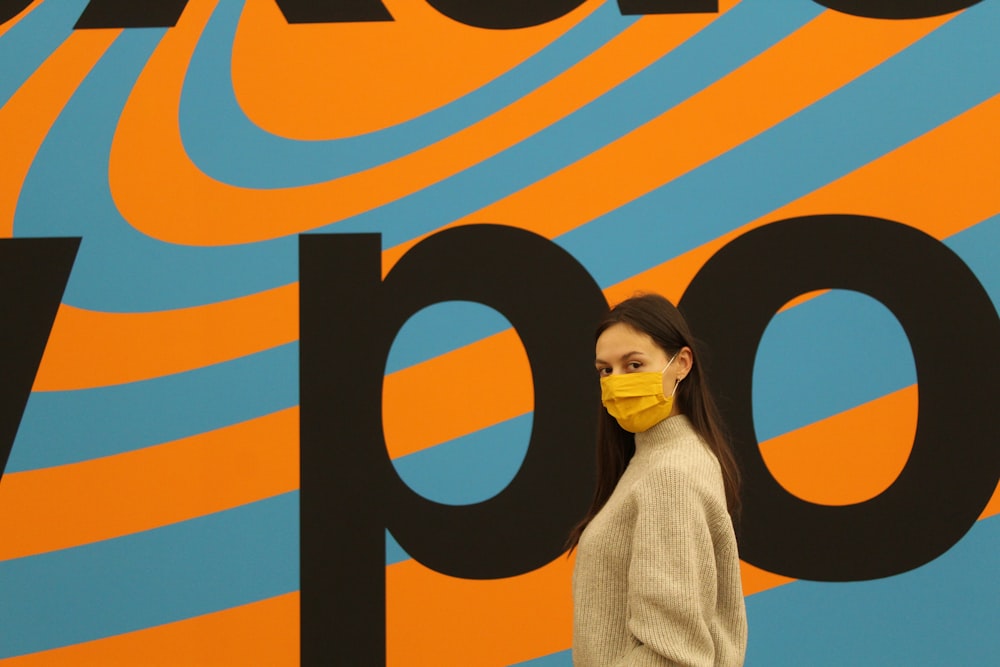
{"points": [[624, 356]]}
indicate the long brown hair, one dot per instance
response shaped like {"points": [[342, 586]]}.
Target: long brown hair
{"points": [[656, 317]]}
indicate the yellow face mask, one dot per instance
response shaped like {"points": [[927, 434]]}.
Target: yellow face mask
{"points": [[636, 400]]}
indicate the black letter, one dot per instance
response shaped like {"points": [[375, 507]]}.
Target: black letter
{"points": [[504, 14], [11, 8], [334, 11], [350, 492], [897, 9], [668, 6], [131, 14], [33, 275], [164, 13], [954, 333]]}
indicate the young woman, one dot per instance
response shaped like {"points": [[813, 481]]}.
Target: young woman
{"points": [[657, 579]]}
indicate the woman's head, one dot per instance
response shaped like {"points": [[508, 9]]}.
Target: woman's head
{"points": [[648, 334], [643, 334]]}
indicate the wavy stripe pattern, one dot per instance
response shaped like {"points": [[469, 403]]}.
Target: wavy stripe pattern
{"points": [[150, 503]]}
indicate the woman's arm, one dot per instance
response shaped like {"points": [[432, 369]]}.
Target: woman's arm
{"points": [[672, 579]]}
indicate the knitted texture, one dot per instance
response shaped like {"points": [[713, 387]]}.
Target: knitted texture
{"points": [[657, 578]]}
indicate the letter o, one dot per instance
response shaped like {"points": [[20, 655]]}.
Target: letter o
{"points": [[897, 9], [954, 332], [504, 14]]}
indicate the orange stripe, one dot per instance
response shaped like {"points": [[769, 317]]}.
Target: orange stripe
{"points": [[148, 135], [92, 349], [848, 459], [993, 506], [475, 622], [65, 506], [288, 78], [26, 118], [262, 633]]}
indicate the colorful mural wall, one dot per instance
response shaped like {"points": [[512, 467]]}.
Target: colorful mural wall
{"points": [[254, 251]]}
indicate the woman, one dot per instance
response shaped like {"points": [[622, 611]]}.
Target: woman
{"points": [[657, 579]]}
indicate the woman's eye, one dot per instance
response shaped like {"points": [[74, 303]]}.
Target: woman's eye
{"points": [[635, 365], [603, 371]]}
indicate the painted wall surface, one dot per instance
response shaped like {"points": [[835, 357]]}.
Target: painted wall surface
{"points": [[817, 185]]}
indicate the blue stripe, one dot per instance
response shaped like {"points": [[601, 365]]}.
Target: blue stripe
{"points": [[394, 553], [139, 581], [560, 659], [979, 248], [226, 145], [944, 613], [62, 427], [32, 40]]}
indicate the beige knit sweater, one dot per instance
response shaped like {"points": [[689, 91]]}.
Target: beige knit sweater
{"points": [[657, 578]]}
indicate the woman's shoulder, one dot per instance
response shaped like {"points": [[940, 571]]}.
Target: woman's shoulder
{"points": [[688, 470], [688, 467]]}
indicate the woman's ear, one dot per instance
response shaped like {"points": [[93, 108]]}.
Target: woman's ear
{"points": [[684, 362]]}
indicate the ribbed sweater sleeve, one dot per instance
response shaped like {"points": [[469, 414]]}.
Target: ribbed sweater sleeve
{"points": [[672, 574]]}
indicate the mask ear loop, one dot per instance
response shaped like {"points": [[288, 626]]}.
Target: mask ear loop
{"points": [[678, 380], [677, 383], [669, 362]]}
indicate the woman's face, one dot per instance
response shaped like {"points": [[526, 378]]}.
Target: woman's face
{"points": [[622, 349]]}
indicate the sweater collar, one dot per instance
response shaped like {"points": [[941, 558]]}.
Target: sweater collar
{"points": [[662, 434]]}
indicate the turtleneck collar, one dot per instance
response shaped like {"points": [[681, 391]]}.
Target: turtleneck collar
{"points": [[662, 434]]}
